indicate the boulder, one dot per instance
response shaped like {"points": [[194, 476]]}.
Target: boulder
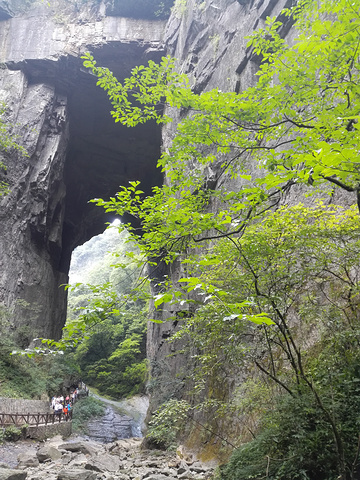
{"points": [[186, 476], [170, 472], [9, 474], [67, 457], [41, 475], [183, 467], [83, 447], [104, 463], [79, 460], [198, 468], [48, 452], [184, 455], [159, 477], [174, 463], [28, 459], [152, 463], [76, 474]]}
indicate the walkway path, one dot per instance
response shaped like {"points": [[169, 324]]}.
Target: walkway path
{"points": [[33, 419]]}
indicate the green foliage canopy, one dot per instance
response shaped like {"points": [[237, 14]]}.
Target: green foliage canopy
{"points": [[105, 333], [107, 318], [300, 266], [299, 123], [24, 377]]}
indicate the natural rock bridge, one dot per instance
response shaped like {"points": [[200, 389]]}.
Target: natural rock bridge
{"points": [[76, 151]]}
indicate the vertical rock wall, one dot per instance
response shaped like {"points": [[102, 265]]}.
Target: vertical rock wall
{"points": [[47, 215], [32, 214], [208, 39]]}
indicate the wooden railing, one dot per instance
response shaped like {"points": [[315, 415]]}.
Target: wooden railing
{"points": [[33, 419]]}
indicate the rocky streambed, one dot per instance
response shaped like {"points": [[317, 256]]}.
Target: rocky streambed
{"points": [[78, 459]]}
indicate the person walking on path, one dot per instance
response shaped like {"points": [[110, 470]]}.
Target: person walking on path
{"points": [[58, 410]]}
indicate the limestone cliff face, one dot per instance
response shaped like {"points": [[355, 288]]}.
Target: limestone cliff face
{"points": [[75, 151], [32, 214], [208, 39]]}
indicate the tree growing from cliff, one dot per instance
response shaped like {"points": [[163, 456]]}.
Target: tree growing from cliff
{"points": [[298, 124], [300, 265]]}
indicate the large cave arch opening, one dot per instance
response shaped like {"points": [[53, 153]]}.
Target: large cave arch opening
{"points": [[103, 155]]}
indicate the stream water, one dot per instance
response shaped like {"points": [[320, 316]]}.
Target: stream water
{"points": [[122, 419]]}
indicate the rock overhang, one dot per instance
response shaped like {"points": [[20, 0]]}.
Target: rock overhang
{"points": [[101, 154]]}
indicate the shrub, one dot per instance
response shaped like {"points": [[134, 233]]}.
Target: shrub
{"points": [[84, 410], [12, 433], [295, 438], [166, 423]]}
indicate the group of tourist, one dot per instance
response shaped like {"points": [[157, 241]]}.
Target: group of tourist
{"points": [[64, 405], [61, 404]]}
